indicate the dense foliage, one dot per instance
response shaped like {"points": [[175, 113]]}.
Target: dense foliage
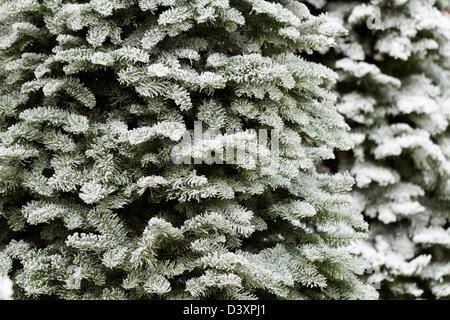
{"points": [[95, 97], [394, 89]]}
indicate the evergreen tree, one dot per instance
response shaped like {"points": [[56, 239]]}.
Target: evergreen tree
{"points": [[394, 87], [95, 98]]}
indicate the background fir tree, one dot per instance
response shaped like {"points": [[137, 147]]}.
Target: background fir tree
{"points": [[395, 93], [95, 95]]}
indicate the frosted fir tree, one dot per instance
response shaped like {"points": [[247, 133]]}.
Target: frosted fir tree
{"points": [[395, 93], [103, 196]]}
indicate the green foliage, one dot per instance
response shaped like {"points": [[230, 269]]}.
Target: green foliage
{"points": [[94, 97]]}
